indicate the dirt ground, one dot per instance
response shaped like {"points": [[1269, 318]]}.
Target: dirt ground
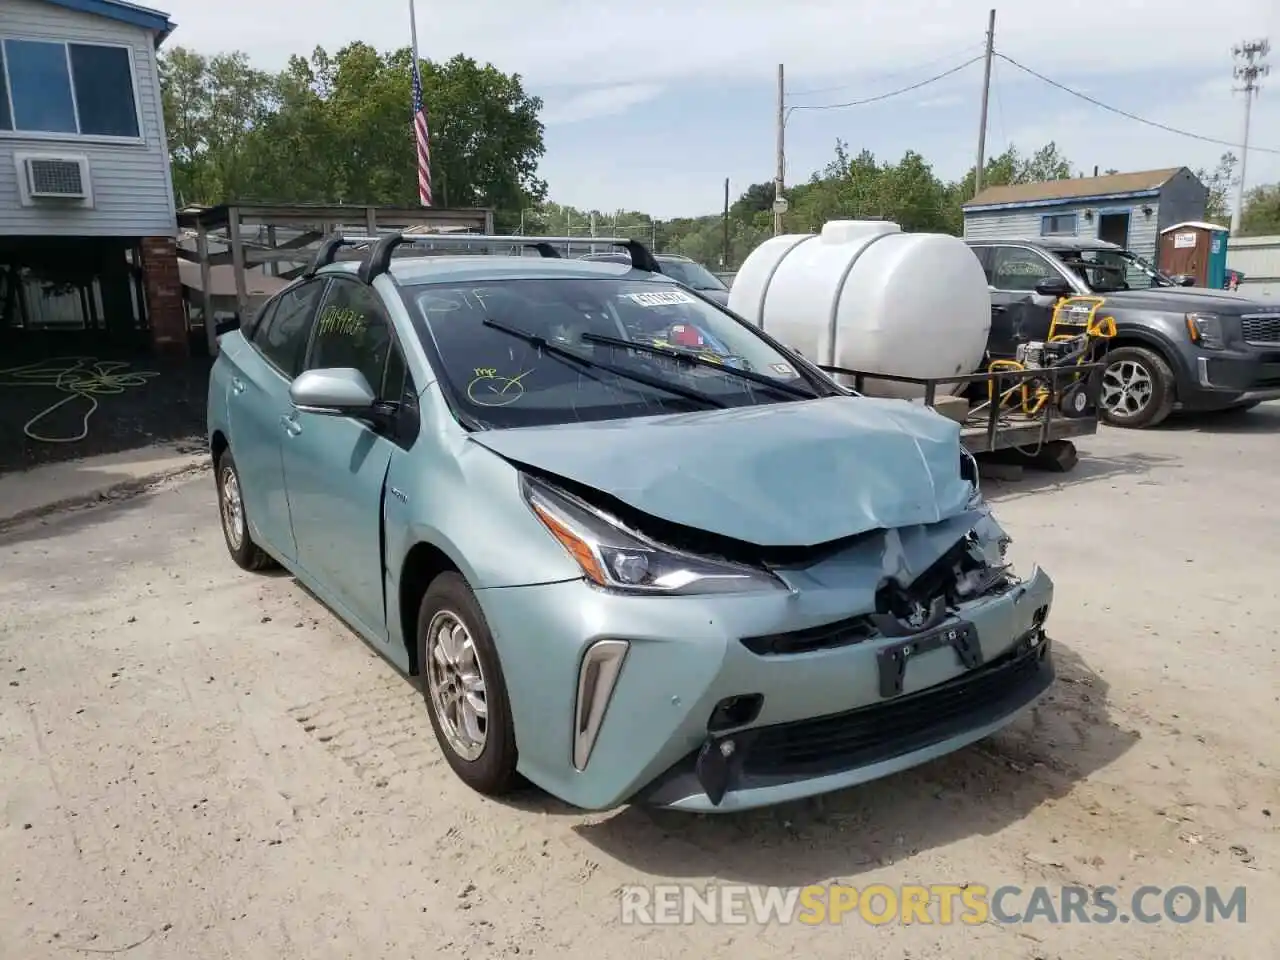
{"points": [[140, 401], [201, 763]]}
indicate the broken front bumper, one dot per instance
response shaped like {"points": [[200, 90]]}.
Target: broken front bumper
{"points": [[686, 657]]}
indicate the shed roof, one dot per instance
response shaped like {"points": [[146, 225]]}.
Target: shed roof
{"points": [[1080, 188], [123, 12]]}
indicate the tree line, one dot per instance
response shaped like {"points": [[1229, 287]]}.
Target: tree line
{"points": [[335, 128]]}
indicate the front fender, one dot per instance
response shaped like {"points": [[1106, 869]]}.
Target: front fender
{"points": [[1163, 332], [466, 501]]}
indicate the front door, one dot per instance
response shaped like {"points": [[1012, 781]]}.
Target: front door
{"points": [[262, 370], [335, 467], [1018, 313], [1114, 228]]}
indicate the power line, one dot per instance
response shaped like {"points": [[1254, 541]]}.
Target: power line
{"points": [[1126, 114], [885, 96], [950, 58]]}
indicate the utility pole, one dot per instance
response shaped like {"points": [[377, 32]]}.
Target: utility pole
{"points": [[986, 95], [780, 176], [724, 255], [1251, 65]]}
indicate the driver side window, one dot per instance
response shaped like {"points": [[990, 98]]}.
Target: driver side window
{"points": [[352, 330], [1018, 269]]}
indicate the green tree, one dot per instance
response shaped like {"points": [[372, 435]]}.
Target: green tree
{"points": [[337, 128], [1221, 182]]}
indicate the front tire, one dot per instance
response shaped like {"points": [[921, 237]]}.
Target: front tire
{"points": [[1137, 388], [464, 688], [235, 523]]}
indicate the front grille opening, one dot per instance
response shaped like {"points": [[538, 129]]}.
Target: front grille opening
{"points": [[871, 734], [736, 711], [959, 575]]}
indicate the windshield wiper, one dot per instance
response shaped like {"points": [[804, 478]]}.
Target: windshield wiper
{"points": [[684, 356], [569, 356]]}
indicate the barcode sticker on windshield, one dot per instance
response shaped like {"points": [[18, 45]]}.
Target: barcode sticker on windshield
{"points": [[664, 299]]}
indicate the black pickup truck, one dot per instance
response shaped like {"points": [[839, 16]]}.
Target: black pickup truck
{"points": [[1177, 347]]}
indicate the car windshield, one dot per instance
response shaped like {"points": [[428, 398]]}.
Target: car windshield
{"points": [[1106, 271], [692, 274], [489, 340]]}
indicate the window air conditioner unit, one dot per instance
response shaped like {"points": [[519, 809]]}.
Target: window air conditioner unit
{"points": [[54, 177]]}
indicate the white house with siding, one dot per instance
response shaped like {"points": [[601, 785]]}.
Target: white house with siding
{"points": [[1129, 209], [87, 220]]}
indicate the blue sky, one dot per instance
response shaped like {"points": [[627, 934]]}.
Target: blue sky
{"points": [[651, 106]]}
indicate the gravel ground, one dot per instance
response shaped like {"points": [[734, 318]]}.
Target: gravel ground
{"points": [[201, 763]]}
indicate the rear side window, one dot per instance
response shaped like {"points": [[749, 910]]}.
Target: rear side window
{"points": [[281, 334]]}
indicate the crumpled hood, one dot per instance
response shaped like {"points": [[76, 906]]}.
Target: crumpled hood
{"points": [[784, 474]]}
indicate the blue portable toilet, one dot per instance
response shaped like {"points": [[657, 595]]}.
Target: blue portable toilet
{"points": [[1195, 249]]}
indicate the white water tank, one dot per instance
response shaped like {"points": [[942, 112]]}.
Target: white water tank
{"points": [[865, 296]]}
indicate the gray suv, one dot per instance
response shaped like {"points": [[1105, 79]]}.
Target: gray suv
{"points": [[1177, 347]]}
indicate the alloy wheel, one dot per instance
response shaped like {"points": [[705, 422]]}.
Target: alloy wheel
{"points": [[1127, 389], [232, 507], [456, 685]]}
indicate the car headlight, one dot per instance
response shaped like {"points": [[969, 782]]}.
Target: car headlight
{"points": [[616, 558], [1205, 330]]}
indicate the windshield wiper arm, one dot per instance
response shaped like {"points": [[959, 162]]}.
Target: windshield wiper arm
{"points": [[684, 356], [569, 356]]}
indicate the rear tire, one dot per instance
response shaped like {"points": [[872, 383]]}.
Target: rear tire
{"points": [[235, 522], [1137, 388], [464, 688]]}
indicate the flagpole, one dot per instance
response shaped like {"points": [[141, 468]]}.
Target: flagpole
{"points": [[413, 33]]}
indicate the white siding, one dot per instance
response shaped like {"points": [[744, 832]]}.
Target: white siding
{"points": [[1258, 258], [1003, 224], [132, 191]]}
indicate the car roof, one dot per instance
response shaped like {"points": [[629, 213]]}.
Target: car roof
{"points": [[412, 271], [1050, 243]]}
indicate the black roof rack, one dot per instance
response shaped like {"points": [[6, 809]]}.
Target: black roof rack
{"points": [[327, 252], [378, 261]]}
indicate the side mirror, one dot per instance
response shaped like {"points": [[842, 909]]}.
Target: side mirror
{"points": [[1183, 280], [336, 392], [1054, 287]]}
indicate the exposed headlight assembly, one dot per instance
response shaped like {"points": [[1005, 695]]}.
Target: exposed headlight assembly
{"points": [[1205, 331], [615, 558]]}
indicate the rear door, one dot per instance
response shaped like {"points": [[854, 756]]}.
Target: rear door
{"points": [[258, 402], [335, 467]]}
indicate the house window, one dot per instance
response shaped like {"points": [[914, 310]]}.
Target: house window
{"points": [[1058, 225], [71, 88]]}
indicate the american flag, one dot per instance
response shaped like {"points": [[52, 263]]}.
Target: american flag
{"points": [[423, 137]]}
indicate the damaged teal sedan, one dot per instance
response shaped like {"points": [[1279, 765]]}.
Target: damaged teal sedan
{"points": [[634, 550]]}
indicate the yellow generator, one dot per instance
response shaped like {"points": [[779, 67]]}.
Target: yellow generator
{"points": [[1076, 334]]}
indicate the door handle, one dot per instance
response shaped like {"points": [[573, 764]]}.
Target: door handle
{"points": [[237, 385], [998, 309], [291, 426]]}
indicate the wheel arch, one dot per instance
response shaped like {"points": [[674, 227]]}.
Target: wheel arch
{"points": [[422, 564]]}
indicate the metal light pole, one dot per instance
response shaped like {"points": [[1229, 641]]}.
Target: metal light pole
{"points": [[1250, 66], [780, 175]]}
